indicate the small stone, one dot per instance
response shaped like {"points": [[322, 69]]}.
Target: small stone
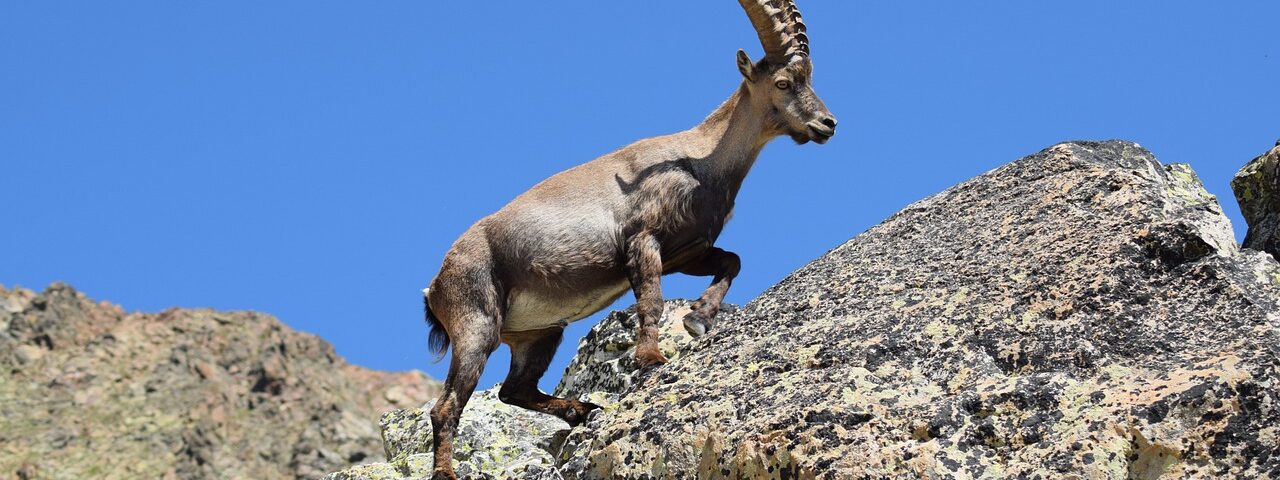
{"points": [[27, 354], [396, 395]]}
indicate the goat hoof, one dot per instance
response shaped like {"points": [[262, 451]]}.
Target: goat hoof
{"points": [[579, 413], [444, 476], [648, 357], [696, 324]]}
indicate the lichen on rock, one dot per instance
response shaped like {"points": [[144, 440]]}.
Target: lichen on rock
{"points": [[494, 441]]}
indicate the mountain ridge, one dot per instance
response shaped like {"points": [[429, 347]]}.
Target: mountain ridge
{"points": [[93, 391]]}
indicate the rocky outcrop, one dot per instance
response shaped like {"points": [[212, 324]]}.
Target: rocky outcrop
{"points": [[1082, 312], [90, 391], [1257, 189], [1079, 313]]}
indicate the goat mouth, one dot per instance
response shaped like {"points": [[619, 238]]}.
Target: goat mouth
{"points": [[820, 136]]}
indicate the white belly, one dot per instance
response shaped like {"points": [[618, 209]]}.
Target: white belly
{"points": [[534, 311]]}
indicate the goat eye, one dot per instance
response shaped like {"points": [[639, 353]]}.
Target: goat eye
{"points": [[783, 84]]}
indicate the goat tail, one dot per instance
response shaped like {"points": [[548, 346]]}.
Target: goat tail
{"points": [[438, 340]]}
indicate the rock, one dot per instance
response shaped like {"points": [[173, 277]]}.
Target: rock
{"points": [[90, 391], [372, 471], [495, 441], [25, 354], [1257, 189], [1079, 313], [604, 363]]}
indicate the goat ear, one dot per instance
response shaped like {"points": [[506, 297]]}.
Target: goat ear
{"points": [[745, 66]]}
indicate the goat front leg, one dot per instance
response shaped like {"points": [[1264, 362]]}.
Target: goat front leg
{"points": [[644, 270], [724, 265]]}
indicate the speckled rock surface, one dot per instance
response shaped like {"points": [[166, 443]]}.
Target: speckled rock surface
{"points": [[1079, 313], [90, 391], [1257, 189], [495, 441], [604, 363]]}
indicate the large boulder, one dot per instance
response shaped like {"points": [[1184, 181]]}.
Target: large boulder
{"points": [[1082, 312], [495, 441], [1257, 189]]}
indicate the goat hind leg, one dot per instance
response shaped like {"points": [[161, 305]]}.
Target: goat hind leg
{"points": [[531, 352], [724, 265], [475, 339]]}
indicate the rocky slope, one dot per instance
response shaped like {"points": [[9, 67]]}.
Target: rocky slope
{"points": [[1257, 189], [1082, 313], [90, 391]]}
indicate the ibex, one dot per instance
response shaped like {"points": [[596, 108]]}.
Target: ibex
{"points": [[577, 241]]}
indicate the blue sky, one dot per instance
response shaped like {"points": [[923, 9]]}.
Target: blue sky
{"points": [[316, 159]]}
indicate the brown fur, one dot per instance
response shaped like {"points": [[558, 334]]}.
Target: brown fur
{"points": [[573, 243]]}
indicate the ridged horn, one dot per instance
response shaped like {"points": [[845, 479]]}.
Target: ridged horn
{"points": [[782, 32]]}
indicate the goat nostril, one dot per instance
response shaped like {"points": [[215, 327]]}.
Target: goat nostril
{"points": [[829, 121]]}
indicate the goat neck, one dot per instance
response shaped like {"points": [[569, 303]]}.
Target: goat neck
{"points": [[727, 143]]}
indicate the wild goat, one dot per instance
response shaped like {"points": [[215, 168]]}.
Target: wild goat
{"points": [[576, 242]]}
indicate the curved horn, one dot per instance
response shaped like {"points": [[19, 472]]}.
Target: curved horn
{"points": [[781, 30]]}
